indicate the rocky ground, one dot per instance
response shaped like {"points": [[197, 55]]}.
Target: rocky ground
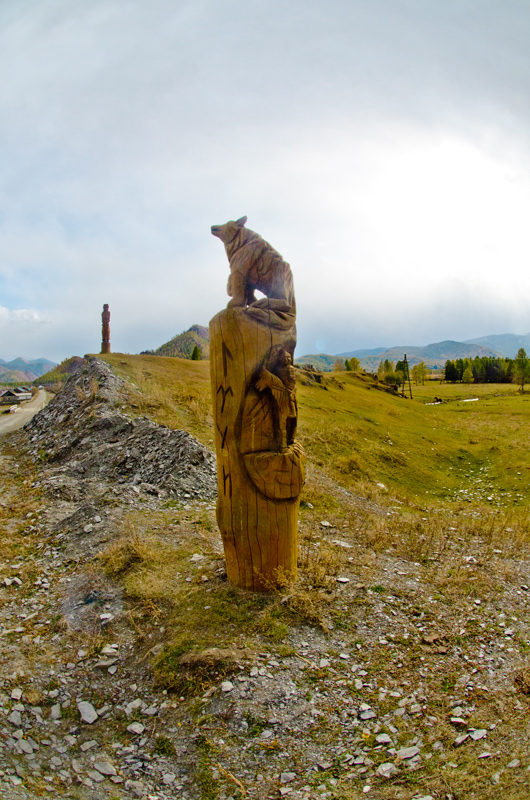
{"points": [[398, 668]]}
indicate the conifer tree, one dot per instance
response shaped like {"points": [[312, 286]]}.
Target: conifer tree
{"points": [[521, 367]]}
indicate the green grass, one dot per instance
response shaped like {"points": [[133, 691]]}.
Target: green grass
{"points": [[362, 435]]}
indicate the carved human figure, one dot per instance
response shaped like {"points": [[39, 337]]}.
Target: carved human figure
{"points": [[279, 378], [105, 319], [105, 329]]}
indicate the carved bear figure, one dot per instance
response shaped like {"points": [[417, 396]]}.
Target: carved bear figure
{"points": [[254, 264]]}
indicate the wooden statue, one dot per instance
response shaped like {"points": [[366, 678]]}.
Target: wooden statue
{"points": [[260, 466], [105, 329]]}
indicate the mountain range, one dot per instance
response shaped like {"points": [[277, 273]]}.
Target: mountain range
{"points": [[433, 355], [24, 370], [507, 344]]}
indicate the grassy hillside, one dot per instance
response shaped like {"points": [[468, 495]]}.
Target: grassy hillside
{"points": [[182, 345], [60, 372], [321, 361], [171, 391], [454, 452], [361, 435], [396, 667]]}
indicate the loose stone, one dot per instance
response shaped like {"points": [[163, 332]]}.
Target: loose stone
{"points": [[105, 767], [136, 728], [386, 770], [15, 718], [405, 753], [87, 711], [95, 776]]}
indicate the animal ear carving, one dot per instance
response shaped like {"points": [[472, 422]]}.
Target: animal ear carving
{"points": [[241, 221]]}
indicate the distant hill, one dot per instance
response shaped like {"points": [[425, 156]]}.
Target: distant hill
{"points": [[61, 371], [24, 370], [181, 346], [362, 353], [507, 344], [434, 355], [322, 361], [15, 376]]}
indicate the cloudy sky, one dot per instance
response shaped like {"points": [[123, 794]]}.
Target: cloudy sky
{"points": [[382, 146]]}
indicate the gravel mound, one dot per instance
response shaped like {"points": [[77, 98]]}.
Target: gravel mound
{"points": [[82, 436]]}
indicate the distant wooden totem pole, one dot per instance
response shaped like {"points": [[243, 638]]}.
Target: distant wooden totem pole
{"points": [[105, 329], [260, 466]]}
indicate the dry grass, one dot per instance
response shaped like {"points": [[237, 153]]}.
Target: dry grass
{"points": [[319, 562], [171, 391], [417, 564], [128, 552]]}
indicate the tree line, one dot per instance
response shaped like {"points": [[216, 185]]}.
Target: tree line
{"points": [[489, 369], [485, 369]]}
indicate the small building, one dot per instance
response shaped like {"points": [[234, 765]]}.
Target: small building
{"points": [[23, 392], [8, 397], [11, 396]]}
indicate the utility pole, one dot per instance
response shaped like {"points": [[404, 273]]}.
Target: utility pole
{"points": [[407, 376]]}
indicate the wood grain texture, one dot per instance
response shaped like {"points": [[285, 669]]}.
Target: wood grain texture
{"points": [[260, 467]]}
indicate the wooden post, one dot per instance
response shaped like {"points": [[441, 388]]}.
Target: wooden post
{"points": [[105, 329], [407, 376], [260, 466]]}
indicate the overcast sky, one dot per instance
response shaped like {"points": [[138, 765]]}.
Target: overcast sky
{"points": [[382, 146]]}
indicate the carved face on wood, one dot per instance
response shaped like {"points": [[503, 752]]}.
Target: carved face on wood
{"points": [[229, 230]]}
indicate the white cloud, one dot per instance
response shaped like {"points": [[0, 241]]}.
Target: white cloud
{"points": [[380, 147], [21, 316]]}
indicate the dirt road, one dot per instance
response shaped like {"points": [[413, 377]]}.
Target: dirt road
{"points": [[11, 422]]}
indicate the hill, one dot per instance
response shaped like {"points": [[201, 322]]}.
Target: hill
{"points": [[61, 371], [433, 355], [23, 370], [363, 353], [15, 376], [321, 361], [398, 661], [507, 344], [182, 345]]}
